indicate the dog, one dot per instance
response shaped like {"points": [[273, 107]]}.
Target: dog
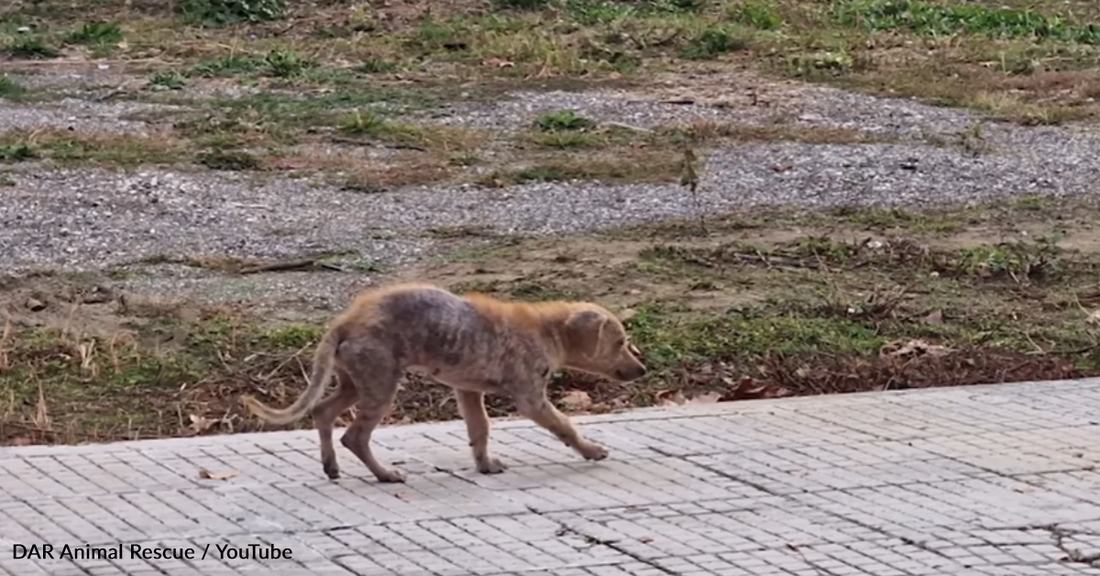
{"points": [[473, 343]]}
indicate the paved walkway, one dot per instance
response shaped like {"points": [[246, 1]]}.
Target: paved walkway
{"points": [[992, 480]]}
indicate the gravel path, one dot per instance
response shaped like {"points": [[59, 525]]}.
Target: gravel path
{"points": [[86, 219]]}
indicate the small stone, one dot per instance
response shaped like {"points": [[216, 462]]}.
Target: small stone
{"points": [[97, 295], [35, 305]]}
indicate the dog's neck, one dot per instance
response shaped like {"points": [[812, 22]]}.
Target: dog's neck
{"points": [[552, 332]]}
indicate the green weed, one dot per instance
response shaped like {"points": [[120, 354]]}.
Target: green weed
{"points": [[31, 49], [285, 64], [170, 80], [563, 121], [215, 13], [229, 160], [713, 43], [756, 14], [17, 153], [11, 89], [96, 34], [233, 65], [945, 20]]}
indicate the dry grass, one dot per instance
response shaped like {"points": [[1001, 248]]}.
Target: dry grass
{"points": [[362, 68], [785, 300], [99, 148], [619, 165]]}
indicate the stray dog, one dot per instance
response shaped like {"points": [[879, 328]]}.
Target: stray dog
{"points": [[473, 343]]}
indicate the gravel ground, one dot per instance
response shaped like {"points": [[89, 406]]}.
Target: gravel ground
{"points": [[86, 219]]}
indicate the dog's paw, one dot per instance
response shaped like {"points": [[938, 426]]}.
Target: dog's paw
{"points": [[491, 466], [594, 452], [331, 470], [391, 476]]}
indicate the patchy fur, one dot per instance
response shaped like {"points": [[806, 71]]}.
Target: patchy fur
{"points": [[473, 343]]}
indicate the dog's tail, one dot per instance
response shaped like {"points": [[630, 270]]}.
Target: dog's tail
{"points": [[323, 366]]}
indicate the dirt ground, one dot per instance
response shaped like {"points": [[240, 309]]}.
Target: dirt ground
{"points": [[763, 304], [749, 292]]}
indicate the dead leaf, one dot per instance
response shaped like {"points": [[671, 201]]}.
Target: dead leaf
{"points": [[708, 398], [497, 63], [200, 424], [1023, 489], [912, 349], [935, 317], [670, 398], [750, 389], [576, 400], [1094, 317], [208, 475], [400, 495], [645, 539], [289, 163]]}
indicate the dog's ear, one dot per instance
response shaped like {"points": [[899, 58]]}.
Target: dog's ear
{"points": [[584, 329]]}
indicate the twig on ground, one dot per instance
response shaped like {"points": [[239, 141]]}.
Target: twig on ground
{"points": [[283, 266]]}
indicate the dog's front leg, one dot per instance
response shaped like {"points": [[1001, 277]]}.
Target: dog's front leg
{"points": [[536, 406], [471, 406]]}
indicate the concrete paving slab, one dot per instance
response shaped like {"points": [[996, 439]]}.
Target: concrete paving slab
{"points": [[980, 481]]}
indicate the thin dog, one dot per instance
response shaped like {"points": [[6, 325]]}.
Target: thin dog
{"points": [[473, 343]]}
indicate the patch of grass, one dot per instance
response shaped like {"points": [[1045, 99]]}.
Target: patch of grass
{"points": [[96, 34], [232, 65], [709, 131], [743, 334], [377, 179], [33, 48], [276, 63], [713, 43], [376, 127], [10, 88], [629, 166], [118, 150], [757, 14], [1022, 261], [944, 20], [520, 4], [378, 66], [670, 139], [62, 386], [17, 153], [216, 13], [229, 160], [979, 54], [791, 300], [285, 64], [169, 80], [563, 121]]}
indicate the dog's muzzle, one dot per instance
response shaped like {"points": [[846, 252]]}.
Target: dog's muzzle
{"points": [[631, 373]]}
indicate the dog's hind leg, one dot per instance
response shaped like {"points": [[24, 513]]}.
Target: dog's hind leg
{"points": [[376, 378], [324, 416], [471, 406], [541, 411]]}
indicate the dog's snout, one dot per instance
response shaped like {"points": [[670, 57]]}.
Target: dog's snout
{"points": [[631, 373]]}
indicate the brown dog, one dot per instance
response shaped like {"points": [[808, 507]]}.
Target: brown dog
{"points": [[473, 343]]}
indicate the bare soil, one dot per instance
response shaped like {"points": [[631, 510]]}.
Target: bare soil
{"points": [[760, 302]]}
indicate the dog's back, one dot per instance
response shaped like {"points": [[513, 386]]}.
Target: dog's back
{"points": [[452, 337]]}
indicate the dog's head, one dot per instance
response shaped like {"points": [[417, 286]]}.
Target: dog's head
{"points": [[596, 342]]}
